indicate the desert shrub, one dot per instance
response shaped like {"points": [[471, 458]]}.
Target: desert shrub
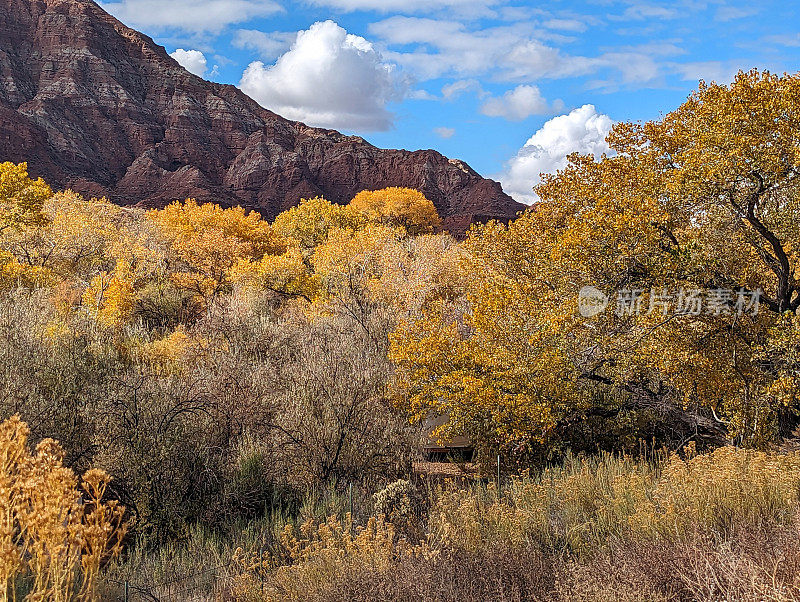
{"points": [[162, 305], [55, 531], [756, 562], [400, 504], [331, 417], [52, 372], [720, 490], [315, 553], [712, 527], [496, 574]]}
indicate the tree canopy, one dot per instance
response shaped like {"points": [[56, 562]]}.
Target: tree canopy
{"points": [[698, 209]]}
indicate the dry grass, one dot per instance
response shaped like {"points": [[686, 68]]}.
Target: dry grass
{"points": [[719, 527], [723, 527]]}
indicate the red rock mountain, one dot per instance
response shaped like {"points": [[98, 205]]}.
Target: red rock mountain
{"points": [[96, 106]]}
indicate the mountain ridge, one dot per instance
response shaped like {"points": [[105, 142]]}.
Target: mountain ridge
{"points": [[98, 107]]}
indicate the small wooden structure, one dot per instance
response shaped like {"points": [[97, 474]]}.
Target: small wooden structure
{"points": [[457, 449]]}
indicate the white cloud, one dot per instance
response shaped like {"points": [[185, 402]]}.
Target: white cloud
{"points": [[641, 12], [454, 90], [421, 95], [637, 66], [474, 7], [789, 40], [520, 103], [634, 67], [329, 78], [268, 45], [444, 132], [722, 72], [193, 61], [532, 58], [583, 130], [566, 25], [189, 15], [445, 48], [435, 48], [730, 13]]}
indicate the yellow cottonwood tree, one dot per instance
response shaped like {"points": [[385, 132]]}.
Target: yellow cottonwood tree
{"points": [[312, 220], [111, 296], [398, 207], [21, 203], [704, 199], [21, 198], [207, 241]]}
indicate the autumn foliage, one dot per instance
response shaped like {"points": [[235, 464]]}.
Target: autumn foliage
{"points": [[704, 199], [223, 367], [401, 207]]}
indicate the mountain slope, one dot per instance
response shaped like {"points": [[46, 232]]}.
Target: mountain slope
{"points": [[98, 107]]}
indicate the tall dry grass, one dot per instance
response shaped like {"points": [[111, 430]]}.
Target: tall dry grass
{"points": [[722, 526], [579, 505]]}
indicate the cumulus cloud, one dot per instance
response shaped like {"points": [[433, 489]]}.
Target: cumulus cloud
{"points": [[583, 130], [328, 78], [189, 15], [193, 61], [444, 132], [520, 103]]}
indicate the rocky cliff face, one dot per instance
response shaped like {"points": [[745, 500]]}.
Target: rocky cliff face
{"points": [[93, 105]]}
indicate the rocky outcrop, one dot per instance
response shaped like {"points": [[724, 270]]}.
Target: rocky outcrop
{"points": [[95, 106]]}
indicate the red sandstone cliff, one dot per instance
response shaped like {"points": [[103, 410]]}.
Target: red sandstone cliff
{"points": [[93, 105]]}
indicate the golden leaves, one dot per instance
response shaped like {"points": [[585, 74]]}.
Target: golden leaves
{"points": [[111, 296], [398, 207], [208, 241], [705, 198], [311, 222], [21, 198]]}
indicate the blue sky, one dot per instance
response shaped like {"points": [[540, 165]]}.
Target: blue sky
{"points": [[509, 86]]}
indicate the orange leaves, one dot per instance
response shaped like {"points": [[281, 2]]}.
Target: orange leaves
{"points": [[116, 255], [208, 241], [398, 207], [371, 249]]}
